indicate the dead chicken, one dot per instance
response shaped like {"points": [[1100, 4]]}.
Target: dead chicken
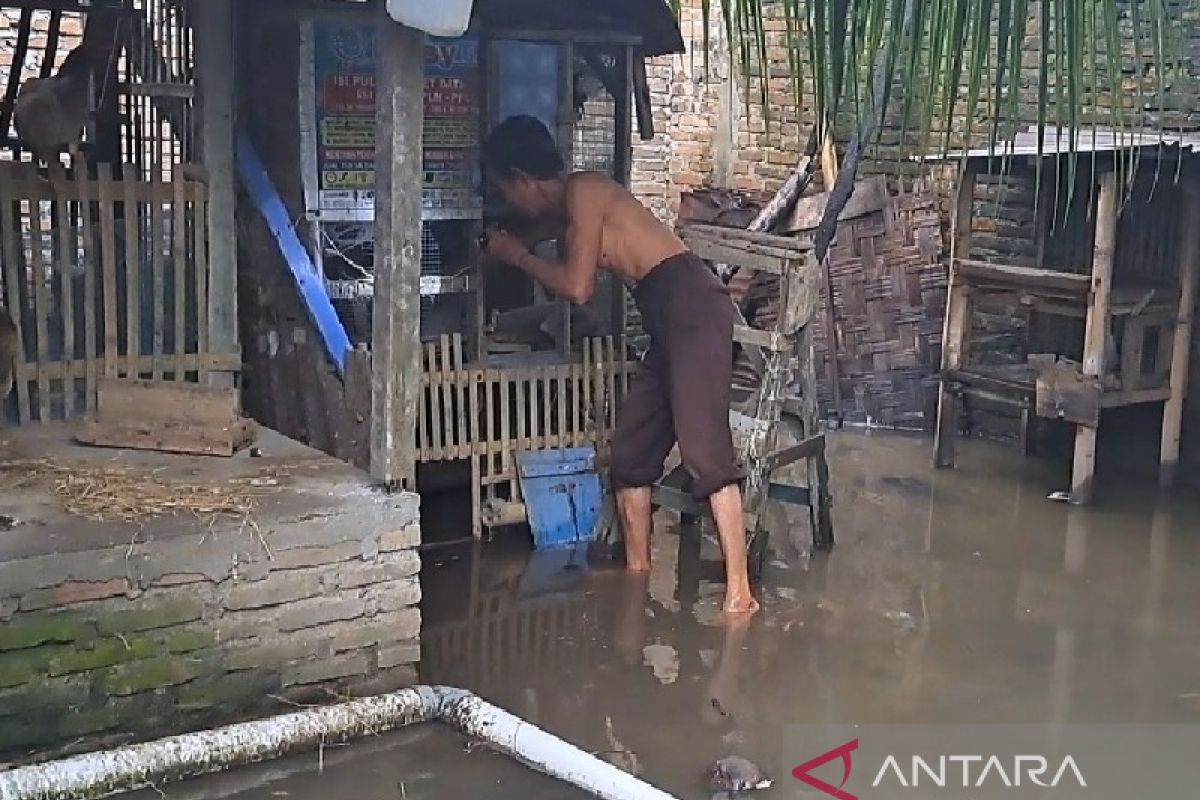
{"points": [[50, 114], [736, 774]]}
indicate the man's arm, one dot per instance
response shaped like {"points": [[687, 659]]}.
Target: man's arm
{"points": [[576, 279]]}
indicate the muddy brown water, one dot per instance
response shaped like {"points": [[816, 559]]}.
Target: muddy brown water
{"points": [[955, 596]]}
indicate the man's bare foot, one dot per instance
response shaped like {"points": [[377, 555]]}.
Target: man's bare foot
{"points": [[637, 565], [739, 602]]}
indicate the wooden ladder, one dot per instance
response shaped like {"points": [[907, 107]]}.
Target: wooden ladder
{"points": [[776, 354]]}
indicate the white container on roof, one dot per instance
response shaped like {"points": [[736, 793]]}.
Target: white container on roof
{"points": [[437, 17]]}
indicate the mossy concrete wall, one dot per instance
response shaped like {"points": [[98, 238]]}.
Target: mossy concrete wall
{"points": [[134, 640]]}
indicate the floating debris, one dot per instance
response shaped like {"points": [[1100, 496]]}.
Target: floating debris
{"points": [[737, 774]]}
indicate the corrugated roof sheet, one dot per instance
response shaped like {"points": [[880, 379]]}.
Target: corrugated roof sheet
{"points": [[1087, 140]]}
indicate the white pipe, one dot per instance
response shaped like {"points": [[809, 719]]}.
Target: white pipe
{"points": [[108, 772]]}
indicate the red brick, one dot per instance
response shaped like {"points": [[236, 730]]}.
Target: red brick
{"points": [[73, 592]]}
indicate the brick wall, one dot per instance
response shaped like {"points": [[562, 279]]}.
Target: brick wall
{"points": [[707, 134], [102, 646]]}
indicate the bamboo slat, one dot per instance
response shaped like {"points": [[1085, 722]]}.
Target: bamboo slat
{"points": [[445, 392], [158, 282], [200, 255], [133, 278], [68, 246], [41, 308], [78, 370], [179, 266], [108, 261], [464, 389], [91, 266], [10, 249]]}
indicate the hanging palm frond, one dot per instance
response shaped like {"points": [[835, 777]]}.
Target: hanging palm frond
{"points": [[968, 71]]}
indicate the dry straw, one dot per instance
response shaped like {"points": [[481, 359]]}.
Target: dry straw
{"points": [[118, 494]]}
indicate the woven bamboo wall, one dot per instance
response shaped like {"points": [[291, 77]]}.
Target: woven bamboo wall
{"points": [[889, 293]]}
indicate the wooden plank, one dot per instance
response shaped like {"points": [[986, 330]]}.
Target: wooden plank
{"points": [[91, 267], [463, 392], [587, 386], [791, 247], [179, 267], [78, 370], [435, 401], [956, 328], [200, 258], [120, 399], [564, 374], [1028, 278], [217, 81], [721, 253], [1064, 394], [171, 436], [105, 192], [158, 284], [10, 250], [767, 340], [68, 245], [505, 444], [1096, 330], [133, 277], [522, 409], [424, 410], [870, 196], [789, 455], [395, 337], [41, 306], [445, 392], [1132, 343], [610, 349], [1181, 337]]}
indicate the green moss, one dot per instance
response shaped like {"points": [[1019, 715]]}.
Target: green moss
{"points": [[187, 641], [89, 720], [241, 691], [153, 673], [104, 653], [162, 615], [40, 629]]}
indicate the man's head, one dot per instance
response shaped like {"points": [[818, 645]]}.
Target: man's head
{"points": [[520, 159]]}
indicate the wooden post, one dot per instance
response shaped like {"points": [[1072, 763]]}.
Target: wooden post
{"points": [[1096, 330], [395, 335], [957, 328], [1189, 254], [215, 75]]}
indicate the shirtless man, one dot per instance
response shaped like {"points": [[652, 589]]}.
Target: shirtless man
{"points": [[682, 389]]}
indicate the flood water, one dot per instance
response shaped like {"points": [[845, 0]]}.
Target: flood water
{"points": [[955, 596]]}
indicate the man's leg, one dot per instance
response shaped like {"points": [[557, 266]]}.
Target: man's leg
{"points": [[641, 442], [700, 349], [633, 506], [731, 527]]}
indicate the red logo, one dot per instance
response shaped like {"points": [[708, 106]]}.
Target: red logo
{"points": [[801, 773]]}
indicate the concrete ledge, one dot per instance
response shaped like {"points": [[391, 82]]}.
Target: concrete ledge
{"points": [[181, 623]]}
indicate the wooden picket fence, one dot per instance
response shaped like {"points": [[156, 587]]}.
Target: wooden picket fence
{"points": [[489, 413], [103, 276]]}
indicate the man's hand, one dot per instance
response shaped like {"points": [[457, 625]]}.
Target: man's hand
{"points": [[505, 247]]}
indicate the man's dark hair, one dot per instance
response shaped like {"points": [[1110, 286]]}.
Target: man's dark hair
{"points": [[521, 143]]}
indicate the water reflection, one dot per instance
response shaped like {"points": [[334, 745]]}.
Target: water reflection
{"points": [[955, 596]]}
